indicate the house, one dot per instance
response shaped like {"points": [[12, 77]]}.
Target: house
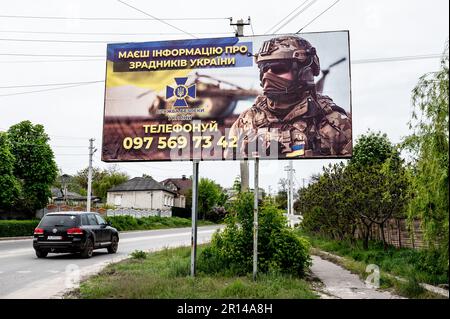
{"points": [[63, 196], [181, 186], [142, 193]]}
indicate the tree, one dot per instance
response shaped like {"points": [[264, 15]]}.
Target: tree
{"points": [[429, 146], [281, 196], [208, 196], [34, 165], [9, 185], [102, 180], [370, 149]]}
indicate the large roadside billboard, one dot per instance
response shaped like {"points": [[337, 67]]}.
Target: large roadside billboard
{"points": [[271, 97]]}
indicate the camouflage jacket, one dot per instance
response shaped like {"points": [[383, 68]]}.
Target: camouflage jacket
{"points": [[312, 128]]}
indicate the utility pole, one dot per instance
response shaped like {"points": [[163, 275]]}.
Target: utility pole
{"points": [[92, 150], [290, 194], [194, 217], [239, 32]]}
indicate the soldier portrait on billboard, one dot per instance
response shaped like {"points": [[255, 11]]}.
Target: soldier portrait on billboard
{"points": [[234, 98], [292, 112]]}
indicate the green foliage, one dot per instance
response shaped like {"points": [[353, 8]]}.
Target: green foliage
{"points": [[34, 165], [123, 223], [345, 199], [138, 254], [17, 228], [281, 197], [102, 180], [371, 149], [279, 249], [165, 274], [209, 196], [424, 265], [429, 147], [9, 185]]}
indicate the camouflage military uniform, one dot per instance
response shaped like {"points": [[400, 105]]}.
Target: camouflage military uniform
{"points": [[323, 128], [291, 114]]}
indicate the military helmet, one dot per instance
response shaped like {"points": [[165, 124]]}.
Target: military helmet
{"points": [[290, 48]]}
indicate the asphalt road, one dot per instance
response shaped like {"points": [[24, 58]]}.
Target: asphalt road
{"points": [[23, 275]]}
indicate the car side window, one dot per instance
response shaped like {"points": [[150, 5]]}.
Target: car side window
{"points": [[84, 220], [100, 220], [92, 220]]}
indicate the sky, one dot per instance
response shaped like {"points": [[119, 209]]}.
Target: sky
{"points": [[381, 92]]}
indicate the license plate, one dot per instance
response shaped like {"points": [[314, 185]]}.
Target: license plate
{"points": [[54, 237]]}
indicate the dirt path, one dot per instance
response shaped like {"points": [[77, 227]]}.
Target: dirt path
{"points": [[342, 284]]}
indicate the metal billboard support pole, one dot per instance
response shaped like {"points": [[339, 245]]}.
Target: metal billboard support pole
{"points": [[255, 221], [194, 216]]}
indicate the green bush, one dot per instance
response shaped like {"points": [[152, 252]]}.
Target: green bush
{"points": [[280, 250], [16, 228], [138, 254], [123, 223]]}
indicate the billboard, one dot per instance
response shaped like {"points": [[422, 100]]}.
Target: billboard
{"points": [[271, 97]]}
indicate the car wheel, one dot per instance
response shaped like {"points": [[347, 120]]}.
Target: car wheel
{"points": [[112, 249], [88, 249], [41, 254]]}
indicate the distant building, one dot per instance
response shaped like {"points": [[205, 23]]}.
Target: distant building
{"points": [[70, 198], [181, 186], [142, 193]]}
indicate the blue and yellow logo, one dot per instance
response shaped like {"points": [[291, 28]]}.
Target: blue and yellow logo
{"points": [[297, 150], [181, 92]]}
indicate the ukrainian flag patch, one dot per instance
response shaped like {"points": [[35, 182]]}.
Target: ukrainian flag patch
{"points": [[297, 150]]}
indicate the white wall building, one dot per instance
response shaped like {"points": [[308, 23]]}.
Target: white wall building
{"points": [[142, 193]]}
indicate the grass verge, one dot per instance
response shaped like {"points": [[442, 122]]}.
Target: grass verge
{"points": [[404, 263], [165, 274]]}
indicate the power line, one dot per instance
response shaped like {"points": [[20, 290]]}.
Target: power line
{"points": [[295, 16], [45, 61], [48, 84], [106, 33], [107, 18], [318, 15], [45, 90], [292, 12], [162, 21], [397, 59], [76, 41], [54, 55]]}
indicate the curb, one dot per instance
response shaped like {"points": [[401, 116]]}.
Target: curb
{"points": [[15, 238]]}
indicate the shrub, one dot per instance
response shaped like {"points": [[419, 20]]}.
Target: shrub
{"points": [[138, 254], [15, 228], [280, 250]]}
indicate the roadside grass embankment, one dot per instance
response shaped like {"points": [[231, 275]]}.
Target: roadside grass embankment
{"points": [[414, 266], [166, 274]]}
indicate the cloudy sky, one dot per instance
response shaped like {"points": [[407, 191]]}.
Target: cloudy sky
{"points": [[75, 47]]}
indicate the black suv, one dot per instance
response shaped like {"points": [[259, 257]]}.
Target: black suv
{"points": [[70, 232]]}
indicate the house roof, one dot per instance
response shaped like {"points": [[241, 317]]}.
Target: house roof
{"points": [[182, 184], [140, 184]]}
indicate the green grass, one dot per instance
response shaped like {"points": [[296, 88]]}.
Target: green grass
{"points": [[412, 265], [165, 274], [127, 223]]}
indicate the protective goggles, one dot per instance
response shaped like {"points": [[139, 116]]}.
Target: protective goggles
{"points": [[277, 67]]}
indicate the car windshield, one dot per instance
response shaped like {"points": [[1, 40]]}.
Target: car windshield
{"points": [[59, 220]]}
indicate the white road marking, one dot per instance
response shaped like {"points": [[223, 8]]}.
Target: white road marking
{"points": [[23, 271]]}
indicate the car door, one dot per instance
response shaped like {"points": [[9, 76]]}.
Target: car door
{"points": [[104, 229], [95, 227]]}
